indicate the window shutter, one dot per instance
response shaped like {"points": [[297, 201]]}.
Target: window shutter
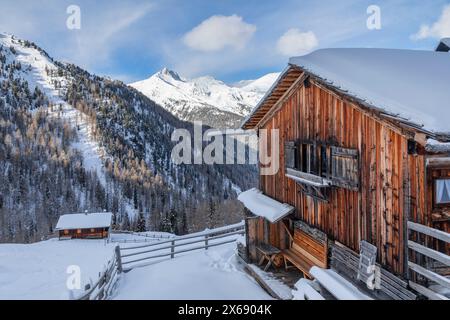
{"points": [[345, 168], [289, 154]]}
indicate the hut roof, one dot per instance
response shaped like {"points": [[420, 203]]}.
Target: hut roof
{"points": [[84, 220], [409, 85]]}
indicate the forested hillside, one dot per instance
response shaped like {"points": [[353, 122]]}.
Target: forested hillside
{"points": [[71, 141]]}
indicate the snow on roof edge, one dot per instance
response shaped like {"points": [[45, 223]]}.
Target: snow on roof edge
{"points": [[317, 64], [429, 124], [84, 220], [264, 206], [436, 146]]}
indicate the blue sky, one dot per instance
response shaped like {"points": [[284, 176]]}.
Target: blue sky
{"points": [[228, 39]]}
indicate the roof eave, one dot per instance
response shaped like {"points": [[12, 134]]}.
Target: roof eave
{"points": [[244, 122], [402, 122]]}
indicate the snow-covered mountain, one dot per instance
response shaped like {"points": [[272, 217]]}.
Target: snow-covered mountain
{"points": [[205, 99], [258, 86], [72, 141]]}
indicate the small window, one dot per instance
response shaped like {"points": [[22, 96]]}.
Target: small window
{"points": [[92, 230], [66, 231], [442, 191], [78, 231]]}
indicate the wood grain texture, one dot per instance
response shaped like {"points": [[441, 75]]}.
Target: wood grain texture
{"points": [[391, 181]]}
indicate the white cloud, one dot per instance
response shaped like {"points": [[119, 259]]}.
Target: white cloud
{"points": [[219, 32], [90, 49], [294, 42], [439, 29]]}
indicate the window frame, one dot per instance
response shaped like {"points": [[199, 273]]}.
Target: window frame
{"points": [[314, 159], [435, 203], [309, 157], [310, 169]]}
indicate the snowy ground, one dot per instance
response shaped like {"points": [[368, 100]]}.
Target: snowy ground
{"points": [[39, 271], [205, 275]]}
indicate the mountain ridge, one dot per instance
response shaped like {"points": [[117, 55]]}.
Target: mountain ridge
{"points": [[72, 141], [205, 99]]}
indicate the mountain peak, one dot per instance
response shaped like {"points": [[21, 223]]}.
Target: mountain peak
{"points": [[166, 72], [204, 98]]}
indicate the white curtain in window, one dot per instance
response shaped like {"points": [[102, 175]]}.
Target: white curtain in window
{"points": [[443, 190]]}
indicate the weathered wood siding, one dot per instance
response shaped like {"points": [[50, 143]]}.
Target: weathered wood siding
{"points": [[85, 233], [439, 214], [392, 182]]}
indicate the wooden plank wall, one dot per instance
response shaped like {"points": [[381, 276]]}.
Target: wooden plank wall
{"points": [[439, 218], [391, 180]]}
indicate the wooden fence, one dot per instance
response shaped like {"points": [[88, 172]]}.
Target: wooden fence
{"points": [[143, 237], [102, 289], [424, 271], [131, 257]]}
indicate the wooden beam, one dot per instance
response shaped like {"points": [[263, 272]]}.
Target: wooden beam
{"points": [[291, 236], [280, 102], [433, 254], [438, 234], [427, 292], [421, 138], [429, 274], [438, 162], [307, 178]]}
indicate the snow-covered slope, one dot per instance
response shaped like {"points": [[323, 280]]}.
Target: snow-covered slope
{"points": [[91, 143], [41, 271], [38, 271], [204, 99], [260, 85], [40, 71]]}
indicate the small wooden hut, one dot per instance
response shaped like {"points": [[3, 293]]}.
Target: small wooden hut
{"points": [[84, 225]]}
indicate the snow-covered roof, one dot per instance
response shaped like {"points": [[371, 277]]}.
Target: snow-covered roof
{"points": [[264, 206], [408, 84], [84, 220], [437, 147]]}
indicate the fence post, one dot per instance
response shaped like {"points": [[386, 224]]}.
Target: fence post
{"points": [[118, 259], [206, 242], [172, 250]]}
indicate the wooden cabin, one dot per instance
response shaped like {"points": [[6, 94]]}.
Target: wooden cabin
{"points": [[364, 150], [84, 225]]}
